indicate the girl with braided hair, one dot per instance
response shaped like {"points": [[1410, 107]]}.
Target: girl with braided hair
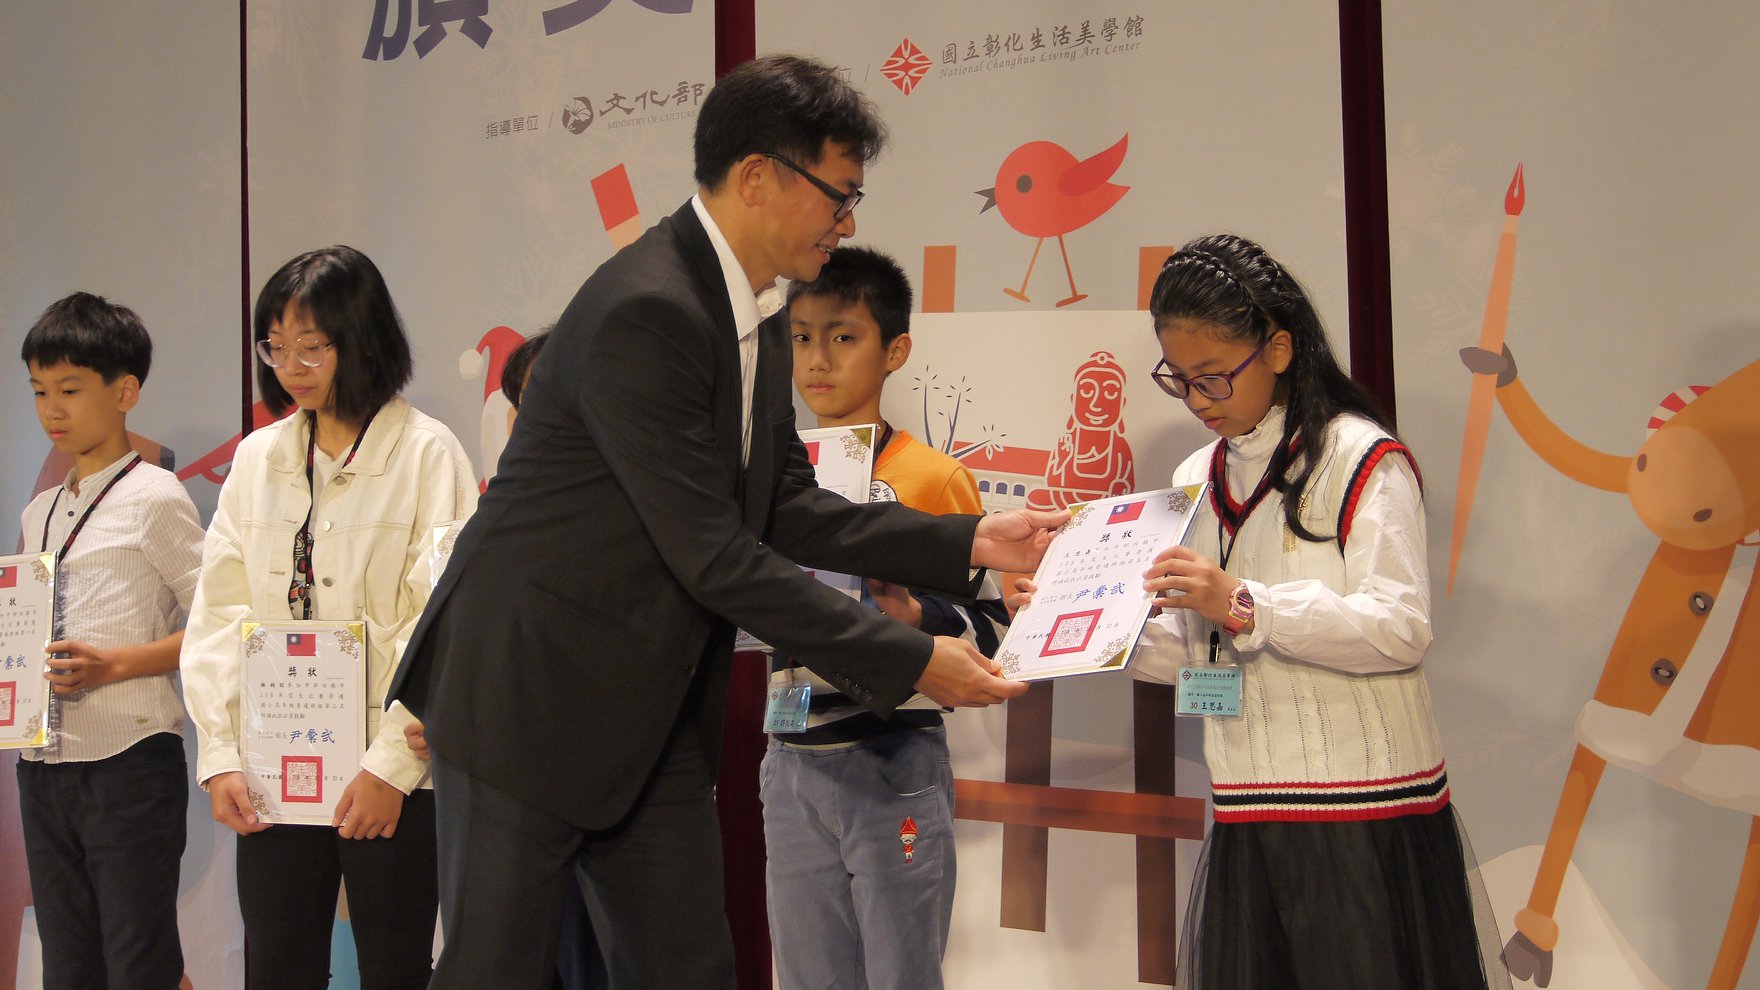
{"points": [[1336, 859]]}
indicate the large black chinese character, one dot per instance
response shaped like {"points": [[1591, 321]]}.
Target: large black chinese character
{"points": [[433, 15], [578, 12]]}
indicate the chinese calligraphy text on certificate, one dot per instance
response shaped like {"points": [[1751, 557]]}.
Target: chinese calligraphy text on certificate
{"points": [[1090, 604], [302, 715]]}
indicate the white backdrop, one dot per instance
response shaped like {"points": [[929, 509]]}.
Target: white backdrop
{"points": [[1633, 277]]}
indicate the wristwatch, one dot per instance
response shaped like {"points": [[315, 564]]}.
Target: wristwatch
{"points": [[1240, 610]]}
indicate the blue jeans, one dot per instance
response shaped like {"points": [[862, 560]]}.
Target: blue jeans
{"points": [[849, 909]]}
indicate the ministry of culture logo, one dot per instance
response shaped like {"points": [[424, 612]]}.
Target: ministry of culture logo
{"points": [[577, 114], [906, 66]]}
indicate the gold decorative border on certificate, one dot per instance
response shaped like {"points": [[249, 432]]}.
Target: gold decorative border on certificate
{"points": [[445, 536], [348, 639], [858, 442], [1077, 513], [1181, 500], [1116, 651], [254, 637]]}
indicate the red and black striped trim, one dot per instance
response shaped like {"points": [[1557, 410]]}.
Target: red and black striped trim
{"points": [[1412, 794], [1234, 514], [1347, 509]]}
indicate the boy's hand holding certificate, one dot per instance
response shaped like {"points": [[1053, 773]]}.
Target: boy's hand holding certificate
{"points": [[1090, 603]]}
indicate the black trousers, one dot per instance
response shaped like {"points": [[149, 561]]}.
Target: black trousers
{"points": [[103, 841], [288, 878], [652, 884]]}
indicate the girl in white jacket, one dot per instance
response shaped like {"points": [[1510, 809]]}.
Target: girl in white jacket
{"points": [[325, 515]]}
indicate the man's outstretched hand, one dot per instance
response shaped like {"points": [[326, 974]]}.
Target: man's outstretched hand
{"points": [[958, 676], [1015, 540]]}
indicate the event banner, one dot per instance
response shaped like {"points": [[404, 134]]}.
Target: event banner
{"points": [[302, 716], [487, 155], [27, 620]]}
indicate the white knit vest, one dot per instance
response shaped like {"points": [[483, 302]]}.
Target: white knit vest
{"points": [[1312, 744]]}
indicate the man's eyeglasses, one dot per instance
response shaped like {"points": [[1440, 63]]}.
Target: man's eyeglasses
{"points": [[846, 202], [275, 355], [1208, 386]]}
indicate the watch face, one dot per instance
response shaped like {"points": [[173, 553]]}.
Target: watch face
{"points": [[1243, 599]]}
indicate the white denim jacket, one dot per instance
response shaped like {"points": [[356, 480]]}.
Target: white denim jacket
{"points": [[370, 562]]}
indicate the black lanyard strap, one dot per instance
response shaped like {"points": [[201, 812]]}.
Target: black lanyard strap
{"points": [[299, 590], [80, 523]]}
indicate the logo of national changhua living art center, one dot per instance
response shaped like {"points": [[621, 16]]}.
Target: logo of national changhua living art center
{"points": [[906, 66]]}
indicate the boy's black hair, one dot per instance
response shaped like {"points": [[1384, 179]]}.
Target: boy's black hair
{"points": [[345, 296], [90, 332], [856, 274], [519, 363], [785, 105], [1231, 283]]}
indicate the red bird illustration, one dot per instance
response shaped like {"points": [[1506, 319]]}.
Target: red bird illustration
{"points": [[1044, 192]]}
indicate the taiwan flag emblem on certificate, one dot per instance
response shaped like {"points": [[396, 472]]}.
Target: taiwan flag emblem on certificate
{"points": [[302, 645], [9, 576], [812, 452], [1126, 512]]}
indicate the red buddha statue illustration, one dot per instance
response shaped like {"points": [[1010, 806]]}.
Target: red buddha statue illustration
{"points": [[1092, 459]]}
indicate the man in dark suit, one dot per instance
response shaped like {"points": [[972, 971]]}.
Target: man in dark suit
{"points": [[571, 666]]}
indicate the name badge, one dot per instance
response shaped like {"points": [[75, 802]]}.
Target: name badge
{"points": [[1212, 690], [786, 709]]}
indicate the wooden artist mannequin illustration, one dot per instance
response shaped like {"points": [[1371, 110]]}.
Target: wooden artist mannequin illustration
{"points": [[1092, 459], [1676, 699]]}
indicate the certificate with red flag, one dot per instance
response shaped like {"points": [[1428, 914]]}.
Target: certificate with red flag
{"points": [[1091, 605], [302, 716], [27, 622]]}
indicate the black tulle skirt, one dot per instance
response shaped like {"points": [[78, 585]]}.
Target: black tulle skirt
{"points": [[1394, 904]]}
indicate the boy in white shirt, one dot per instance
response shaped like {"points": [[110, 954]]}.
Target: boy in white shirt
{"points": [[103, 802]]}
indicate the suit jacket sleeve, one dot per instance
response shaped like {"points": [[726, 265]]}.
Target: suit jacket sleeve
{"points": [[645, 390]]}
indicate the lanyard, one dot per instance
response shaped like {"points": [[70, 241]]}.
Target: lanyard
{"points": [[1231, 517], [80, 524], [299, 591]]}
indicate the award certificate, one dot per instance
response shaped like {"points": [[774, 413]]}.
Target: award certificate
{"points": [[302, 697], [1091, 605], [27, 617], [843, 462], [440, 542]]}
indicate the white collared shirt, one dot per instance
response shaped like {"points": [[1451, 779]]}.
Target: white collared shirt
{"points": [[749, 310], [128, 580]]}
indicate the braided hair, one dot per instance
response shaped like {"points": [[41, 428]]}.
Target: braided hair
{"points": [[1231, 283]]}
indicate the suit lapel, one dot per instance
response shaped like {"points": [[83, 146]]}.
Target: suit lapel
{"points": [[770, 385], [705, 266]]}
